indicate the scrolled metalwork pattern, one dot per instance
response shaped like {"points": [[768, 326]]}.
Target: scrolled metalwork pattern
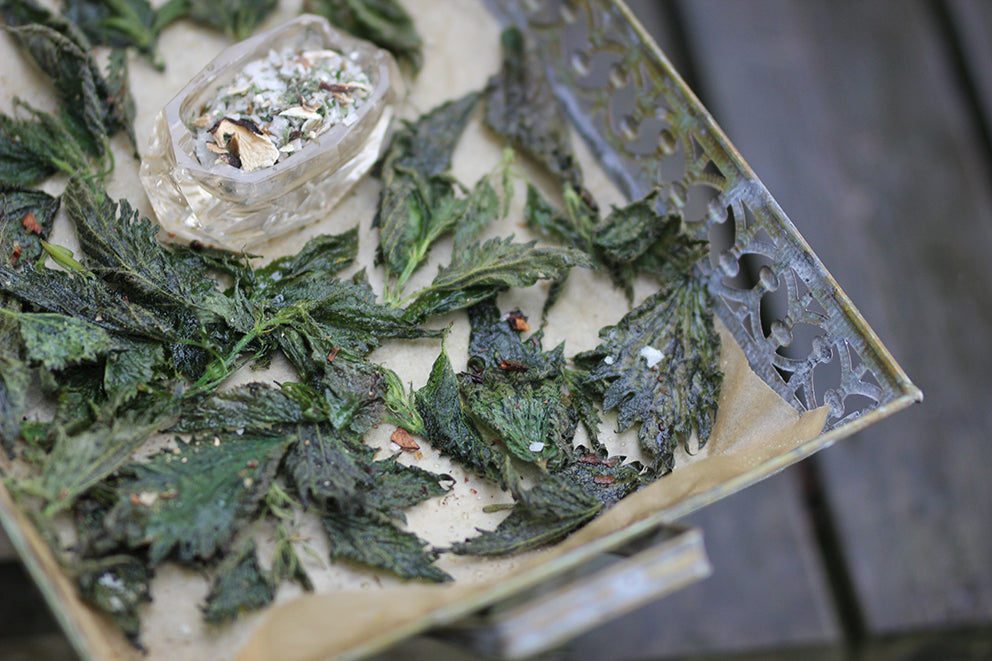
{"points": [[800, 333]]}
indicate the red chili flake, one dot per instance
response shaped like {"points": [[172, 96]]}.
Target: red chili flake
{"points": [[16, 254], [589, 459], [404, 439], [135, 500], [252, 463], [518, 322], [333, 354], [611, 462], [512, 366], [604, 479], [474, 492], [31, 223]]}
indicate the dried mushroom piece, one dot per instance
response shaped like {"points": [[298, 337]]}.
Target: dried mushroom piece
{"points": [[247, 147]]}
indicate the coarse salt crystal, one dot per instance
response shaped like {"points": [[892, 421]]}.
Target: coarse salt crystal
{"points": [[651, 355], [536, 446]]}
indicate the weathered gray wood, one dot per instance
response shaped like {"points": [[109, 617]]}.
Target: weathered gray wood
{"points": [[7, 551], [972, 21], [767, 590], [849, 113], [48, 647]]}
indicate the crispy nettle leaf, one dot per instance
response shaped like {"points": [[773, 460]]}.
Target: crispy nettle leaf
{"points": [[484, 269], [335, 471], [371, 541], [354, 389], [518, 390], [240, 586], [81, 297], [57, 341], [26, 217], [34, 147], [321, 258], [253, 406], [192, 503], [121, 246], [660, 367], [117, 23], [235, 18], [608, 479], [64, 53], [417, 203], [286, 562], [118, 586], [546, 513], [450, 430], [383, 22], [522, 107], [132, 364], [359, 498], [629, 241], [81, 460], [398, 487], [327, 467], [15, 377], [401, 410]]}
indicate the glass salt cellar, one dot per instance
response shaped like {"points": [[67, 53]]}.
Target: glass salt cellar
{"points": [[221, 205]]}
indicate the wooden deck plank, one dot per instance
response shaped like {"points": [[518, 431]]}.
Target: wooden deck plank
{"points": [[850, 114], [766, 593], [972, 21]]}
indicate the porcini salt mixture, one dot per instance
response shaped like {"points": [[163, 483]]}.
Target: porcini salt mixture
{"points": [[278, 104]]}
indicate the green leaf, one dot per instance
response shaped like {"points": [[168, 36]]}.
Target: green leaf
{"points": [[321, 258], [660, 367], [448, 428], [68, 61], [518, 390], [349, 317], [133, 364], [84, 298], [36, 146], [286, 562], [400, 408], [329, 468], [122, 247], [252, 405], [17, 242], [117, 23], [417, 204], [15, 378], [608, 480], [122, 111], [81, 460], [377, 543], [118, 586], [240, 586], [543, 514], [383, 22], [521, 106], [398, 487], [235, 18], [193, 503], [58, 341], [498, 264]]}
